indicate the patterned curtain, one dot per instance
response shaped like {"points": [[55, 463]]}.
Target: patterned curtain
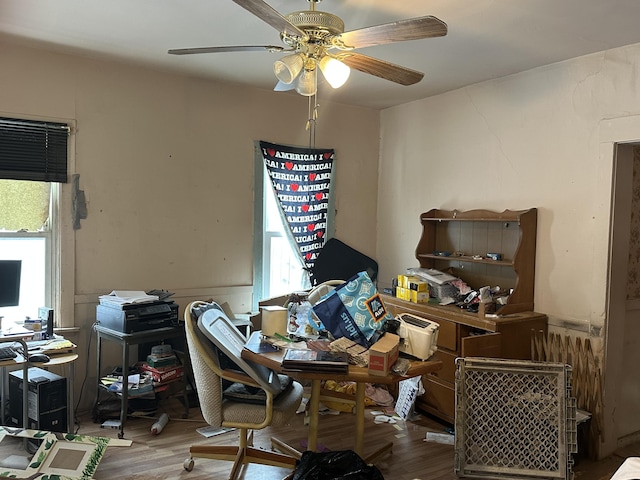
{"points": [[301, 180]]}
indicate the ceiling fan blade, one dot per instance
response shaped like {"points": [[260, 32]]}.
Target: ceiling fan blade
{"points": [[400, 31], [381, 68], [239, 48], [271, 16]]}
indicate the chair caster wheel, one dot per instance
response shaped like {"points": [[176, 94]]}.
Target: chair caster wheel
{"points": [[188, 464]]}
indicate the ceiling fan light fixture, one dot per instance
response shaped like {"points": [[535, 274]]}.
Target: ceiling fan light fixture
{"points": [[283, 87], [336, 72], [288, 68], [307, 84]]}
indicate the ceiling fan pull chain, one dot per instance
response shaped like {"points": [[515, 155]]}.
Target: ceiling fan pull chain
{"points": [[311, 122]]}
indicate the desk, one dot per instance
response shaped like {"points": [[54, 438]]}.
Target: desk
{"points": [[126, 340], [359, 375], [19, 360]]}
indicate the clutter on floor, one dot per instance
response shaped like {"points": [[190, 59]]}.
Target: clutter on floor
{"points": [[59, 455]]}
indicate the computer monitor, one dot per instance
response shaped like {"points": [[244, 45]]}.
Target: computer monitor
{"points": [[10, 282]]}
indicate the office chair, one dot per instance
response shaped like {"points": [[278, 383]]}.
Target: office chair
{"points": [[319, 291], [212, 340], [242, 324]]}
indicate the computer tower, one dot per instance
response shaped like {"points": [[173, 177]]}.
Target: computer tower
{"points": [[47, 400]]}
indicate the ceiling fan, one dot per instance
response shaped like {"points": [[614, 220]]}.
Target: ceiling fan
{"points": [[317, 40]]}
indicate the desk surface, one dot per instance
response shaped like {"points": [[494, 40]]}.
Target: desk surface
{"points": [[273, 360], [8, 336], [359, 375], [19, 358], [57, 359]]}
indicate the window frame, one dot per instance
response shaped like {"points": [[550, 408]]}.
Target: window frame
{"points": [[48, 233], [262, 239], [60, 268]]}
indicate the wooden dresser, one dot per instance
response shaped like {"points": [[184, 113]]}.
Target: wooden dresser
{"points": [[462, 334], [460, 243]]}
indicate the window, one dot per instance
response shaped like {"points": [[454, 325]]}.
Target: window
{"points": [[286, 273], [293, 215], [27, 224], [277, 267], [33, 169]]}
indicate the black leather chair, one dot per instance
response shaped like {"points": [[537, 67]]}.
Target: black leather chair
{"points": [[339, 261]]}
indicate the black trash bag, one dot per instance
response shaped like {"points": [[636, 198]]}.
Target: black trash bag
{"points": [[340, 465]]}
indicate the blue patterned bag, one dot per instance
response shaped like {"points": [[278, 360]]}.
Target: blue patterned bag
{"points": [[353, 310]]}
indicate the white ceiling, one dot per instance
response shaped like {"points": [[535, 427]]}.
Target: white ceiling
{"points": [[487, 38]]}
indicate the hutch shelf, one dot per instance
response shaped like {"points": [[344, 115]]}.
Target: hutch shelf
{"points": [[458, 242]]}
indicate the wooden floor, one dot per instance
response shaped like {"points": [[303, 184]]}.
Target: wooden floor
{"points": [[162, 456]]}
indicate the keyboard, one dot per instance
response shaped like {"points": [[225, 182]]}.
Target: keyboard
{"points": [[7, 353]]}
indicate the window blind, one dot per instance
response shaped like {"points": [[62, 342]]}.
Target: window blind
{"points": [[33, 150]]}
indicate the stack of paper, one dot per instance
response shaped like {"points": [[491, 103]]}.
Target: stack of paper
{"points": [[138, 385], [54, 346], [315, 361], [432, 276], [125, 297]]}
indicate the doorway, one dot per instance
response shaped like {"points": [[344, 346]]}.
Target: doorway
{"points": [[622, 332]]}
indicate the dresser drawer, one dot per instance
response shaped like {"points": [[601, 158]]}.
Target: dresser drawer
{"points": [[448, 371], [447, 331], [447, 334], [439, 399]]}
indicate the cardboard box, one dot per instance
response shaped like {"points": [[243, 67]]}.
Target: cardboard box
{"points": [[383, 354], [403, 293], [406, 281], [256, 318], [162, 374], [418, 297], [418, 285], [274, 320]]}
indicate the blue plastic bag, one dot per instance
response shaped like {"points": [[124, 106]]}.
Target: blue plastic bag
{"points": [[353, 310]]}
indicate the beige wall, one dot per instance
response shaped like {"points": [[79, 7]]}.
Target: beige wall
{"points": [[535, 139], [166, 164]]}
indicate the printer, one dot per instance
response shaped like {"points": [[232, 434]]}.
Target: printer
{"points": [[138, 317]]}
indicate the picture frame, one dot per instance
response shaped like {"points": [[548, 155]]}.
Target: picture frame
{"points": [[60, 456]]}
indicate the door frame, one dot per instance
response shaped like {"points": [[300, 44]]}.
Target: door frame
{"points": [[617, 137]]}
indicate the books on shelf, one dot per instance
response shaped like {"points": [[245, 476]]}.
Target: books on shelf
{"points": [[315, 361], [162, 360], [161, 375], [138, 385]]}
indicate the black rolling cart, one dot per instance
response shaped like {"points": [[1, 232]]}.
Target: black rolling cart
{"points": [[126, 340]]}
